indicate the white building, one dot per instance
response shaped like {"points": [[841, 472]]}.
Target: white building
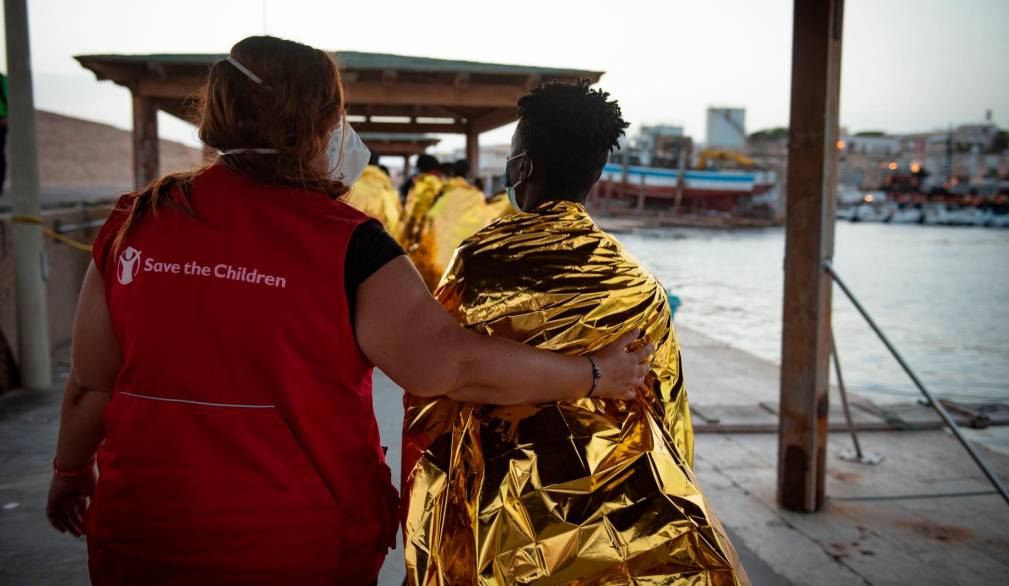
{"points": [[726, 128], [874, 145], [657, 141]]}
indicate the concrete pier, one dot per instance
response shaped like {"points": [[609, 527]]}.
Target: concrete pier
{"points": [[924, 515]]}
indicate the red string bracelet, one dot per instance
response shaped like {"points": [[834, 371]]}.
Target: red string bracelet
{"points": [[75, 473]]}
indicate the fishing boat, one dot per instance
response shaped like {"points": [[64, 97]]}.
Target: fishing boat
{"points": [[907, 214], [871, 212], [943, 215], [995, 219], [717, 190]]}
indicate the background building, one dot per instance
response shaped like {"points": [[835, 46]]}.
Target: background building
{"points": [[726, 128]]}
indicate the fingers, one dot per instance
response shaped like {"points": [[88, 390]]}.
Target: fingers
{"points": [[628, 338], [56, 522], [643, 354], [69, 518], [73, 523], [626, 363], [58, 519], [76, 516]]}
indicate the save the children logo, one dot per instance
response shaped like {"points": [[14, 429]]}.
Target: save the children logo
{"points": [[129, 265]]}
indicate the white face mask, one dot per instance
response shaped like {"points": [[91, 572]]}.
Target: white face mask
{"points": [[346, 166], [347, 154]]}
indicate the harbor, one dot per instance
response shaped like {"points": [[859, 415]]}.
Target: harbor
{"points": [[833, 408]]}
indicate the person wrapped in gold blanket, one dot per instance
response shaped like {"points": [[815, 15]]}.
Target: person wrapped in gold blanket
{"points": [[375, 195], [584, 492], [440, 214]]}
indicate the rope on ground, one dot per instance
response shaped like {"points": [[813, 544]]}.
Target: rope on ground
{"points": [[46, 230]]}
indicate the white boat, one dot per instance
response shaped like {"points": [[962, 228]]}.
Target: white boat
{"points": [[660, 182], [907, 215], [937, 214], [845, 213], [867, 212], [994, 220]]}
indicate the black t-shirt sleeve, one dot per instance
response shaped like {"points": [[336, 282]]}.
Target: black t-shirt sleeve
{"points": [[370, 249]]}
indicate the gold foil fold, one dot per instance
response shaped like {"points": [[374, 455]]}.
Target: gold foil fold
{"points": [[581, 492]]}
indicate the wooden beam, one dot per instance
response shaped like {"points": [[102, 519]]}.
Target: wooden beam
{"points": [[809, 240], [473, 150], [397, 148], [411, 127], [122, 74], [158, 69], [175, 87], [355, 106], [496, 118], [145, 141], [443, 95], [181, 109]]}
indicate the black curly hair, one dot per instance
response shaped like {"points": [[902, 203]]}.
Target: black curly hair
{"points": [[572, 128]]}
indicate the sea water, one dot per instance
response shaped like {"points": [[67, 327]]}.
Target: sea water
{"points": [[941, 294]]}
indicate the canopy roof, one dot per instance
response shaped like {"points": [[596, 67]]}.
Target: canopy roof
{"points": [[403, 144], [388, 93]]}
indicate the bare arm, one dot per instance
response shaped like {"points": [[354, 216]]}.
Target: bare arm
{"points": [[96, 362], [404, 331]]}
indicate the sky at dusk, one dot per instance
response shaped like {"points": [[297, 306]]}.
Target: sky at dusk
{"points": [[908, 65]]}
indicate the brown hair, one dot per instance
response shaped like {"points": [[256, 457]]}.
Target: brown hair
{"points": [[301, 99]]}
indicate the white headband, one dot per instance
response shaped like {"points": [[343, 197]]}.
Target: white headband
{"points": [[257, 151], [244, 70]]}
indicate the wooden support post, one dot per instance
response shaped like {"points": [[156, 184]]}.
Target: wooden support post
{"points": [[641, 194], [624, 174], [145, 141], [681, 177], [809, 240], [406, 167], [473, 150], [31, 265]]}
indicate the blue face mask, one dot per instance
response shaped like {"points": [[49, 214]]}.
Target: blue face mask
{"points": [[509, 188]]}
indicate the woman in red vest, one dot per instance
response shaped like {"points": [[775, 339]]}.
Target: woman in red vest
{"points": [[224, 343]]}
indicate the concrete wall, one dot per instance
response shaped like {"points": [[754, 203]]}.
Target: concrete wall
{"points": [[66, 272]]}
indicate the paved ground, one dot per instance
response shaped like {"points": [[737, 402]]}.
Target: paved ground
{"points": [[32, 553], [935, 540]]}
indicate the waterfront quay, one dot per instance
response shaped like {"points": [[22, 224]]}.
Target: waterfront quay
{"points": [[923, 515]]}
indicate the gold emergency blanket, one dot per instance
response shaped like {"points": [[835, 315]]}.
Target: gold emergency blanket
{"points": [[440, 214], [499, 207], [460, 212], [375, 195], [416, 236], [587, 492]]}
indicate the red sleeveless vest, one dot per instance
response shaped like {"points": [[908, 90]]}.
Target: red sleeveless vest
{"points": [[241, 440]]}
